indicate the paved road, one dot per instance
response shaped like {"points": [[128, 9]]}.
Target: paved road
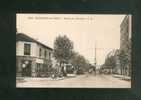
{"points": [[80, 81]]}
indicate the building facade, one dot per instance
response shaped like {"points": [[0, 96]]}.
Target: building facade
{"points": [[125, 32], [125, 41], [32, 57]]}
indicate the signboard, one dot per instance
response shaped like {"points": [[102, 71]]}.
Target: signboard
{"points": [[39, 61]]}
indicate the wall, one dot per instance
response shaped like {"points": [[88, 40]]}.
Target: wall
{"points": [[20, 48], [34, 49], [125, 32], [43, 52]]}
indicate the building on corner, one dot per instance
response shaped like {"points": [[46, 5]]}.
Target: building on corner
{"points": [[32, 57]]}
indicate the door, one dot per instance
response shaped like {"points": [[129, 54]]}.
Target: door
{"points": [[26, 69]]}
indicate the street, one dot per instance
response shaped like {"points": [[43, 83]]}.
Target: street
{"points": [[79, 81]]}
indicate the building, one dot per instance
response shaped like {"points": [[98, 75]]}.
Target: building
{"points": [[32, 57], [125, 32], [125, 40]]}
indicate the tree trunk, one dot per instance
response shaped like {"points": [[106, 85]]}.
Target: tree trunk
{"points": [[121, 70]]}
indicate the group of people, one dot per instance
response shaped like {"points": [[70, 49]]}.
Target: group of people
{"points": [[59, 72], [92, 70]]}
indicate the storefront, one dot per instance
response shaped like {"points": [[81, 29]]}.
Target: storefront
{"points": [[24, 66]]}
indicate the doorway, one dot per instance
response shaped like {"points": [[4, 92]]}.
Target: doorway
{"points": [[26, 68]]}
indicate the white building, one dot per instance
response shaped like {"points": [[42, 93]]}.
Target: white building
{"points": [[32, 57]]}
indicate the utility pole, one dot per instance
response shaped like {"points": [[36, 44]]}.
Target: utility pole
{"points": [[95, 60], [95, 56]]}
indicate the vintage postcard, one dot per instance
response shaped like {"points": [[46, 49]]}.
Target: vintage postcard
{"points": [[73, 50]]}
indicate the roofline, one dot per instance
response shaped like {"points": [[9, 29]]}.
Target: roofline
{"points": [[35, 40]]}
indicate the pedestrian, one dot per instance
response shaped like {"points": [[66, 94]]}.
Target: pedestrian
{"points": [[94, 69]]}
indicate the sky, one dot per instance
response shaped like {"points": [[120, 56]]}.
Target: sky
{"points": [[86, 31]]}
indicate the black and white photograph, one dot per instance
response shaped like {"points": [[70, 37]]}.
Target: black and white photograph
{"points": [[73, 50]]}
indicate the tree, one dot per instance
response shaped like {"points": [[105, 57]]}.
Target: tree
{"points": [[129, 55], [74, 60], [79, 62], [125, 60], [62, 49], [110, 61]]}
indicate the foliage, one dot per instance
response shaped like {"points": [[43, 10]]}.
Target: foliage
{"points": [[125, 58], [63, 49], [63, 53], [79, 62], [110, 61]]}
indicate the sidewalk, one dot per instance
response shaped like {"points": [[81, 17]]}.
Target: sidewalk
{"points": [[37, 78], [20, 79], [123, 77]]}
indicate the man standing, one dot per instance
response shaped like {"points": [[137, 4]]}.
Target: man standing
{"points": [[94, 69]]}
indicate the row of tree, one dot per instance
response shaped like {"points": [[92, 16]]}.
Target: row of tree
{"points": [[125, 59], [64, 54], [119, 58]]}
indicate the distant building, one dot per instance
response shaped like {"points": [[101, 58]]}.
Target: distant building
{"points": [[32, 57], [125, 39]]}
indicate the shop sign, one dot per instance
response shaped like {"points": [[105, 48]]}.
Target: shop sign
{"points": [[39, 61]]}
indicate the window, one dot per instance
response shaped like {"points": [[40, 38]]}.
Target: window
{"points": [[27, 48], [45, 53], [40, 52], [49, 55]]}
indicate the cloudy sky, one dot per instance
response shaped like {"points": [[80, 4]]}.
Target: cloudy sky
{"points": [[85, 30]]}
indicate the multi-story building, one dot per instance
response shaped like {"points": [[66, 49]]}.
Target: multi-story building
{"points": [[125, 40], [32, 57], [125, 32]]}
